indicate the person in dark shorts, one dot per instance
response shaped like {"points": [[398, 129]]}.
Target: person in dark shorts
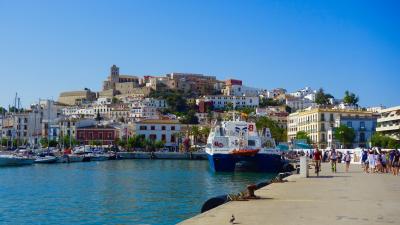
{"points": [[396, 163], [347, 160]]}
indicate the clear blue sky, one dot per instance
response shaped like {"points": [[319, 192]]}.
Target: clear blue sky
{"points": [[47, 47]]}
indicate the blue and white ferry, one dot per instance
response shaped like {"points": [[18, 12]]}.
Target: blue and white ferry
{"points": [[231, 144]]}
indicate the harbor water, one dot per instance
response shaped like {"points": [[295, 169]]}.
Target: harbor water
{"points": [[113, 192]]}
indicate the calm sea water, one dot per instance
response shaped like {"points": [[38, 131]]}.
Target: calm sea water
{"points": [[113, 192]]}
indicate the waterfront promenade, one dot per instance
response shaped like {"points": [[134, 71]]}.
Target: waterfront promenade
{"points": [[341, 198]]}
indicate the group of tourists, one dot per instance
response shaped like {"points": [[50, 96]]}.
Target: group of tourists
{"points": [[372, 161], [376, 161]]}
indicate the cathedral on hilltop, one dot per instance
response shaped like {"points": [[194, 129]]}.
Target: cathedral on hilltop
{"points": [[117, 84]]}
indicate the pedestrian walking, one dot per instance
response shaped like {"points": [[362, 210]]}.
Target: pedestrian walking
{"points": [[396, 163], [347, 160], [333, 158], [364, 160], [371, 161]]}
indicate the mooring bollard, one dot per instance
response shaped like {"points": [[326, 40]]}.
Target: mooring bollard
{"points": [[304, 166], [251, 189]]}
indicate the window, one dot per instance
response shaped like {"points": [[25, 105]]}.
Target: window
{"points": [[143, 128], [362, 125], [163, 128], [153, 137], [362, 137], [172, 127], [153, 127], [349, 124], [251, 142], [163, 138]]}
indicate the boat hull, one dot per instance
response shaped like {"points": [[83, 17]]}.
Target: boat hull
{"points": [[259, 162], [16, 161]]}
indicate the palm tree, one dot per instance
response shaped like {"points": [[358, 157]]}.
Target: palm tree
{"points": [[196, 133]]}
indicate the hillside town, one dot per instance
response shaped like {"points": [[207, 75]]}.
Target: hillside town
{"points": [[174, 113]]}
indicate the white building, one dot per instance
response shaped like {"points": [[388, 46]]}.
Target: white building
{"points": [[147, 108], [160, 130], [78, 112], [104, 101], [302, 93], [389, 122], [222, 101], [240, 90], [298, 103]]}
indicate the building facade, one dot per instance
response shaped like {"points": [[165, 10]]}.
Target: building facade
{"points": [[317, 122], [160, 130], [364, 128], [222, 101], [77, 97], [104, 135], [389, 122]]}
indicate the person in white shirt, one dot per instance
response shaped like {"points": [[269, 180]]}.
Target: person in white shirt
{"points": [[371, 161]]}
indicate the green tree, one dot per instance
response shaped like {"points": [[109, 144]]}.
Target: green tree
{"points": [[345, 135], [2, 110], [205, 131], [149, 144], [115, 100], [135, 142], [95, 143], [229, 106], [278, 133], [195, 132], [321, 98], [382, 141], [350, 98], [190, 118], [176, 100], [302, 135], [53, 143], [44, 142], [68, 141], [159, 144], [247, 110], [4, 141], [264, 102]]}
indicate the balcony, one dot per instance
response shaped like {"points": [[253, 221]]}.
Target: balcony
{"points": [[388, 128], [362, 129], [389, 118]]}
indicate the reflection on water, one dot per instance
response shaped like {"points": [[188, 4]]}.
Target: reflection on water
{"points": [[113, 192]]}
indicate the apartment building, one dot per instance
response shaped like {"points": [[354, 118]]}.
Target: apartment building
{"points": [[318, 121], [389, 122], [222, 101], [159, 130]]}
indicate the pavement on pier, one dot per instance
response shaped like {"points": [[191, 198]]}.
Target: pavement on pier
{"points": [[343, 198]]}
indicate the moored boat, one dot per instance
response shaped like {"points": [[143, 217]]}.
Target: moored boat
{"points": [[98, 157], [15, 160], [46, 159], [237, 142]]}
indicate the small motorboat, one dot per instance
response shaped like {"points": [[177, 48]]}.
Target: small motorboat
{"points": [[75, 158], [46, 159], [15, 160], [98, 157]]}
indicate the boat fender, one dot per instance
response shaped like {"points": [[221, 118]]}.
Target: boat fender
{"points": [[214, 202]]}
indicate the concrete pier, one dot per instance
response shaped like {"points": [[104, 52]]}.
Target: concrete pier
{"points": [[343, 198]]}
